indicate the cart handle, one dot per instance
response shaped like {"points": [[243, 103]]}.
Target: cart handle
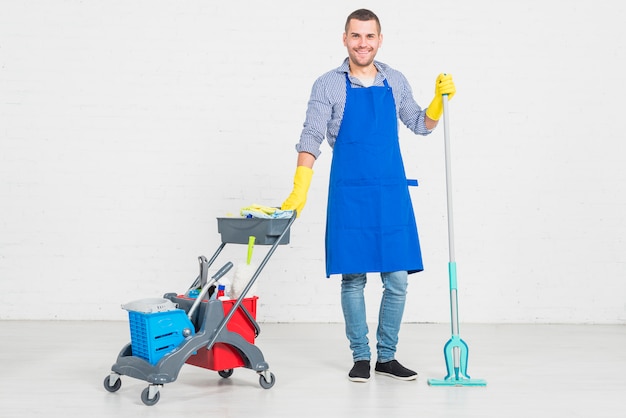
{"points": [[251, 281]]}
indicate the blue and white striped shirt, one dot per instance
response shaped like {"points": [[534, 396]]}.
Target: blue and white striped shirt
{"points": [[328, 100]]}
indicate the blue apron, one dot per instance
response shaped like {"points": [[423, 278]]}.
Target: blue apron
{"points": [[370, 224]]}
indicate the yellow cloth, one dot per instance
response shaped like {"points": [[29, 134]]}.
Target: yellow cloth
{"points": [[267, 210]]}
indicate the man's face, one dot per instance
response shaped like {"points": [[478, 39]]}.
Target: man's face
{"points": [[362, 41]]}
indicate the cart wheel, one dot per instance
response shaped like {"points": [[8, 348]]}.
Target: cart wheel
{"points": [[112, 387], [226, 373], [265, 384], [144, 397]]}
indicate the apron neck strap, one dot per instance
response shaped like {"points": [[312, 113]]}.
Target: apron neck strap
{"points": [[349, 84]]}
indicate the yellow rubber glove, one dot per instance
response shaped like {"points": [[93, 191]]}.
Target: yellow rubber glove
{"points": [[443, 85], [301, 183]]}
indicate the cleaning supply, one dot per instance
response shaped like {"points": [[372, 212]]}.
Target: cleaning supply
{"points": [[243, 274], [455, 350], [265, 212]]}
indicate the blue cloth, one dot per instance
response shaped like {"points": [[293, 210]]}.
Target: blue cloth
{"points": [[370, 224]]}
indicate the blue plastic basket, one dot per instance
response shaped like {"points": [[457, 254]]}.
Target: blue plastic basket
{"points": [[153, 335]]}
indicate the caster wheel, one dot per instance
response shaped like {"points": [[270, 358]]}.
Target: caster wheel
{"points": [[265, 384], [144, 397], [226, 373], [112, 387]]}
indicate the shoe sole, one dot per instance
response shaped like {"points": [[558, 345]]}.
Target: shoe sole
{"points": [[358, 379], [406, 378]]}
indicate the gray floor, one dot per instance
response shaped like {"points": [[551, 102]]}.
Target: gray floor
{"points": [[531, 371]]}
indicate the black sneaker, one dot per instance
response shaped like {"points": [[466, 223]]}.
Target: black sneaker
{"points": [[360, 371], [396, 370]]}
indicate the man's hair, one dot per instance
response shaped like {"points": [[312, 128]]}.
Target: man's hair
{"points": [[363, 15]]}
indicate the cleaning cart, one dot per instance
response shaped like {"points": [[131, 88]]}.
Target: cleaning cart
{"points": [[194, 328]]}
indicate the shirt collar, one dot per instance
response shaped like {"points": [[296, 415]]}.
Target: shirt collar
{"points": [[345, 68]]}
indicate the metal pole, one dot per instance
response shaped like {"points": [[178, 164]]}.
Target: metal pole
{"points": [[454, 304]]}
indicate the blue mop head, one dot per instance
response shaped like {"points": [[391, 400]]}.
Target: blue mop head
{"points": [[457, 382], [457, 372]]}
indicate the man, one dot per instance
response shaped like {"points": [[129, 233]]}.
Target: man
{"points": [[370, 225]]}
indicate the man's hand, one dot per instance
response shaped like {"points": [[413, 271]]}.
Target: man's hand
{"points": [[301, 183], [443, 85]]}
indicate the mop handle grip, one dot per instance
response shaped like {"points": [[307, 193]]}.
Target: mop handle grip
{"points": [[221, 272]]}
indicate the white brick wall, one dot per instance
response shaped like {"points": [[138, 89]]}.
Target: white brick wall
{"points": [[126, 128]]}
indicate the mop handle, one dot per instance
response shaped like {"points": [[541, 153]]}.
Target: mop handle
{"points": [[446, 136], [222, 271], [454, 307]]}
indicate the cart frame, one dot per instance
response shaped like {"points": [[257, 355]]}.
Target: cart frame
{"points": [[209, 320]]}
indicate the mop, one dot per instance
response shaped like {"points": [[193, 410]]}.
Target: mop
{"points": [[243, 274], [455, 350]]}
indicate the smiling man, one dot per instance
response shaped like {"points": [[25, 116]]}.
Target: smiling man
{"points": [[362, 40], [370, 224]]}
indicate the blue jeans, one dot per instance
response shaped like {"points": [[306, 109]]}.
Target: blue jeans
{"points": [[389, 315]]}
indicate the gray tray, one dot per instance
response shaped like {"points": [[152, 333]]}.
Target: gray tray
{"points": [[265, 231]]}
